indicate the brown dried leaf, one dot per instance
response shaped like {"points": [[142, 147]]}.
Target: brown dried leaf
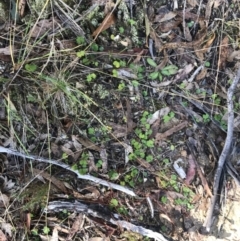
{"points": [[224, 52], [4, 200], [170, 25], [161, 136], [118, 130], [103, 156], [42, 27], [108, 21], [100, 2], [192, 3], [28, 221], [88, 144], [57, 183], [9, 50], [91, 163], [191, 170], [183, 73], [68, 151], [109, 5], [154, 128], [157, 40], [76, 226], [54, 236], [205, 47], [189, 15], [187, 33], [202, 74], [99, 239], [139, 56], [2, 236], [130, 123], [7, 227], [126, 73], [158, 115], [77, 146], [162, 84], [208, 11], [56, 150], [165, 17], [217, 3], [234, 55], [21, 7], [145, 164]]}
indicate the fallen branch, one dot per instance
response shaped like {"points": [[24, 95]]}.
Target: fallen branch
{"points": [[225, 151], [65, 166], [94, 210]]}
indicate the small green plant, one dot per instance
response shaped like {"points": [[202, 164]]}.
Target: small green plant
{"points": [[46, 230], [182, 85], [99, 163], [135, 83], [80, 40], [190, 24], [149, 158], [131, 22], [80, 54], [31, 98], [113, 175], [166, 71], [82, 165], [223, 123], [130, 178], [142, 142], [113, 203], [114, 73], [34, 231], [168, 117], [164, 199], [122, 210], [174, 183], [183, 202], [216, 99], [207, 64], [172, 147], [166, 161], [206, 118], [94, 47], [121, 30], [121, 86], [91, 77], [116, 64], [201, 92], [187, 192], [64, 156], [91, 131], [31, 67]]}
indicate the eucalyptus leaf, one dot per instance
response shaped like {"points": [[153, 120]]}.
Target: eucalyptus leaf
{"points": [[154, 75], [151, 62], [169, 70]]}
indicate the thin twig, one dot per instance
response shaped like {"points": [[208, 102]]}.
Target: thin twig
{"points": [[65, 166], [225, 150]]}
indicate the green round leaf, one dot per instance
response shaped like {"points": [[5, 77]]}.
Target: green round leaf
{"points": [[31, 67]]}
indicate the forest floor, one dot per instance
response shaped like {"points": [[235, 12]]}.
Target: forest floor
{"points": [[113, 118]]}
